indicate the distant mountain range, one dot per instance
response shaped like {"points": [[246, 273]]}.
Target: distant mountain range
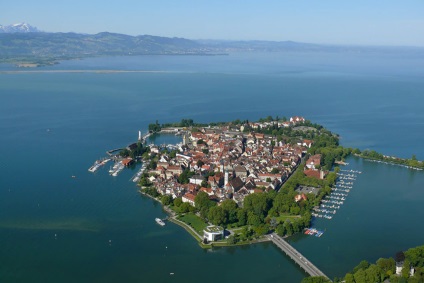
{"points": [[23, 43], [21, 27]]}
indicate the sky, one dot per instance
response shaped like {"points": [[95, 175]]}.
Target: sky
{"points": [[347, 22]]}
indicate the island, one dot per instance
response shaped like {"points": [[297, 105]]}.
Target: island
{"points": [[242, 182]]}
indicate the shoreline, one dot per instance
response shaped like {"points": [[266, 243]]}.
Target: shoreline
{"points": [[103, 71], [388, 162], [172, 218]]}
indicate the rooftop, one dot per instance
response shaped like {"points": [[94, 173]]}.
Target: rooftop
{"points": [[214, 229]]}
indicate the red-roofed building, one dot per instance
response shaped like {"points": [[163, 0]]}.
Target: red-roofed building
{"points": [[298, 198], [127, 161], [188, 197], [209, 191], [313, 161], [318, 174], [297, 119]]}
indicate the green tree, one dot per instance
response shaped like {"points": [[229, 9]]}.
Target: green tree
{"points": [[405, 269], [315, 279], [203, 203], [416, 256], [173, 154], [231, 209], [185, 176], [204, 184], [360, 276], [231, 240], [261, 229], [242, 217], [200, 163], [281, 230], [185, 207], [253, 219], [387, 267], [216, 215], [166, 199], [372, 273], [154, 127], [362, 265], [259, 204], [178, 202], [349, 278]]}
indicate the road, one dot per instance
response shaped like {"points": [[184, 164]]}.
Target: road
{"points": [[296, 256]]}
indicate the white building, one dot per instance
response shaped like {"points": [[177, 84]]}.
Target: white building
{"points": [[213, 233]]}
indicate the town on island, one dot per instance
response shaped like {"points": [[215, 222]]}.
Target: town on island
{"points": [[241, 182]]}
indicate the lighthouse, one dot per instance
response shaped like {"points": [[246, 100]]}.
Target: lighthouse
{"points": [[139, 135]]}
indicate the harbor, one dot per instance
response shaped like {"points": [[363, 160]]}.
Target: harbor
{"points": [[136, 177], [98, 163], [331, 203]]}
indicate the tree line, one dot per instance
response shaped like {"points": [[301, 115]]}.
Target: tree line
{"points": [[384, 269]]}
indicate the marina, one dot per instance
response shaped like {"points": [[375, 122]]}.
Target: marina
{"points": [[140, 172], [99, 163], [331, 203], [116, 169]]}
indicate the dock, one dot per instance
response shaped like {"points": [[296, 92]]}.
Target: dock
{"points": [[110, 152], [296, 256]]}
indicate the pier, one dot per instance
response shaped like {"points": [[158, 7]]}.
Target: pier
{"points": [[110, 152], [144, 137], [296, 256]]}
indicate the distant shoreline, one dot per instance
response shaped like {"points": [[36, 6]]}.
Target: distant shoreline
{"points": [[79, 71]]}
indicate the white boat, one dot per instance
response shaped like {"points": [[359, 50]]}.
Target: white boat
{"points": [[94, 167], [159, 221], [98, 164]]}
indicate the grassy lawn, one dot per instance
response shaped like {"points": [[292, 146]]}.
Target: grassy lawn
{"points": [[174, 208], [194, 221], [238, 229], [285, 216]]}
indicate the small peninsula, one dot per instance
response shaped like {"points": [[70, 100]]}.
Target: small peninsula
{"points": [[249, 178], [241, 182]]}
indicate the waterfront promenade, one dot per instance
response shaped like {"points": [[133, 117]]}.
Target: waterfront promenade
{"points": [[296, 256]]}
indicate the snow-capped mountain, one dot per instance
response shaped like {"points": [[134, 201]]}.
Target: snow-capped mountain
{"points": [[20, 27]]}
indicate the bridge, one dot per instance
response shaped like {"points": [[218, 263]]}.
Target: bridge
{"points": [[296, 256]]}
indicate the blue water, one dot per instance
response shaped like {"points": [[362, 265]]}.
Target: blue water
{"points": [[97, 228]]}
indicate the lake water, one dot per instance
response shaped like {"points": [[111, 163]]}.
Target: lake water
{"points": [[54, 228]]}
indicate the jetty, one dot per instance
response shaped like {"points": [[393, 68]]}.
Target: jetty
{"points": [[110, 152], [296, 256]]}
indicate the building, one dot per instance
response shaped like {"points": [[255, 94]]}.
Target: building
{"points": [[317, 174], [127, 161], [313, 161], [300, 197], [188, 197], [297, 119], [213, 233], [197, 179]]}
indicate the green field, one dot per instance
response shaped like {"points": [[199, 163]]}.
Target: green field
{"points": [[194, 221], [285, 216]]}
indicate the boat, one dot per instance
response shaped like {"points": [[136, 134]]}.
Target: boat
{"points": [[98, 164], [94, 167], [159, 221]]}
